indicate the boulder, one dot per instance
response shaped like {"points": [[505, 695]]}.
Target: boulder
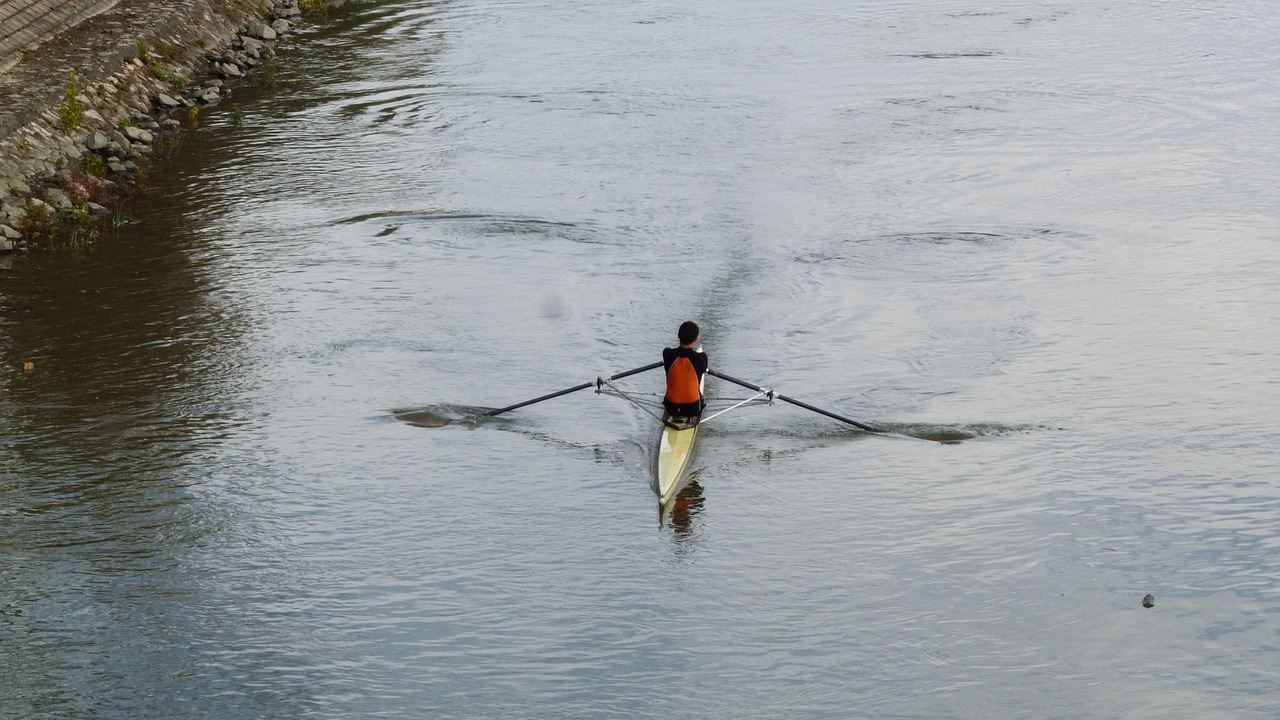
{"points": [[137, 134], [281, 26], [96, 210], [167, 101], [96, 141], [9, 233], [58, 199], [118, 138], [262, 31], [230, 70], [250, 43]]}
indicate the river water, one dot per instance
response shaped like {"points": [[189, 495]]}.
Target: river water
{"points": [[1045, 230]]}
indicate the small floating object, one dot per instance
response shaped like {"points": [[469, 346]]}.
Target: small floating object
{"points": [[28, 366], [1148, 600]]}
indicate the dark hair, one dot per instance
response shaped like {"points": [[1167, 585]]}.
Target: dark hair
{"points": [[688, 332]]}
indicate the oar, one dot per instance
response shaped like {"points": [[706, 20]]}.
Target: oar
{"points": [[793, 401], [573, 389]]}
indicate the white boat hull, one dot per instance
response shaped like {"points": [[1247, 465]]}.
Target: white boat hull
{"points": [[675, 451]]}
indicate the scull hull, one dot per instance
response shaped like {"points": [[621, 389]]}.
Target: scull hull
{"points": [[675, 451]]}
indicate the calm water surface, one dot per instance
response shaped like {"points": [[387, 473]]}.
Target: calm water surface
{"points": [[1047, 228]]}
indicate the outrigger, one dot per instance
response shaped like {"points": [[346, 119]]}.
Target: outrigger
{"points": [[676, 439]]}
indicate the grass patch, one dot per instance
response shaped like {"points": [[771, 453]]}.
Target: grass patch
{"points": [[169, 74]]}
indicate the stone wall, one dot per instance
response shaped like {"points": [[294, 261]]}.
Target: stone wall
{"points": [[24, 24], [124, 56]]}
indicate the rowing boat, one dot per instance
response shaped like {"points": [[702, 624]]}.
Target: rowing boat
{"points": [[675, 450], [671, 461], [676, 442]]}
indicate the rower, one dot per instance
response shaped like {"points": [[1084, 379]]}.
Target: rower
{"points": [[685, 367]]}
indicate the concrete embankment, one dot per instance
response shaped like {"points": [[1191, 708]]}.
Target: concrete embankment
{"points": [[87, 87]]}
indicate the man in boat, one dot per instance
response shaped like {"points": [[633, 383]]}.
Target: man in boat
{"points": [[685, 367]]}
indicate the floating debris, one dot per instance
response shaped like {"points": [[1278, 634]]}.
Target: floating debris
{"points": [[1148, 600]]}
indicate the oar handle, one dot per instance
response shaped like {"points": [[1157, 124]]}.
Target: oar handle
{"points": [[573, 389], [793, 401]]}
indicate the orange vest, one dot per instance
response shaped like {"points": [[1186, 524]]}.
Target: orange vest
{"points": [[682, 383]]}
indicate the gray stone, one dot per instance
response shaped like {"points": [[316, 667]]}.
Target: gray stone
{"points": [[96, 141], [10, 234], [281, 26], [250, 43], [19, 186], [141, 150], [39, 204], [6, 245], [119, 138], [115, 166], [57, 198], [137, 134], [230, 70], [114, 149], [170, 124], [262, 31], [15, 213], [213, 83], [131, 166], [96, 210], [167, 101]]}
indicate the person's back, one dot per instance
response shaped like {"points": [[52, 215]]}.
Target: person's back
{"points": [[685, 367]]}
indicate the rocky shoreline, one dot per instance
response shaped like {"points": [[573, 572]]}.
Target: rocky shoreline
{"points": [[65, 169]]}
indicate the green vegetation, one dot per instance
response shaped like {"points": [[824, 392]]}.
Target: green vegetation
{"points": [[144, 52], [71, 111], [193, 116], [93, 165], [169, 74], [237, 116]]}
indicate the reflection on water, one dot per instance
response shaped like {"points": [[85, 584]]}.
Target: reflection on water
{"points": [[682, 512], [1040, 239]]}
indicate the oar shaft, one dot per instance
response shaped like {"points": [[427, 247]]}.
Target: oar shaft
{"points": [[566, 391], [793, 401], [573, 389]]}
